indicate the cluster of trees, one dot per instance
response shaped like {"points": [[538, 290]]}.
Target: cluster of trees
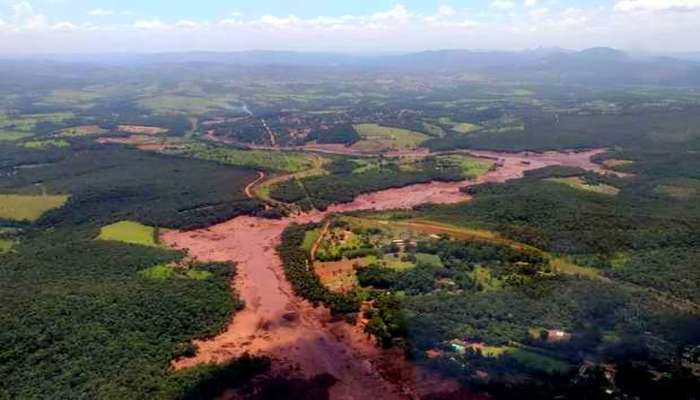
{"points": [[72, 304], [342, 134], [110, 183], [82, 307]]}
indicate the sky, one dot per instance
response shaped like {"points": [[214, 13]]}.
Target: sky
{"points": [[347, 26]]}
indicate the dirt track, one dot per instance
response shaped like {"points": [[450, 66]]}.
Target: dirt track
{"points": [[296, 335]]}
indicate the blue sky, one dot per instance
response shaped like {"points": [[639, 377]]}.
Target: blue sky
{"points": [[38, 26]]}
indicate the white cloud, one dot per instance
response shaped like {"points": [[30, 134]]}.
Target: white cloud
{"points": [[657, 5], [504, 5], [445, 11], [151, 24], [187, 24], [101, 12], [530, 3]]}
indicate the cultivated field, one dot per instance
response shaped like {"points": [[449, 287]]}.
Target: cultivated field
{"points": [[28, 208], [377, 138], [130, 232]]}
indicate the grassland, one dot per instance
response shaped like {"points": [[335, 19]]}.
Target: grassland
{"points": [[175, 104], [44, 144], [459, 127], [6, 245], [163, 272], [470, 166], [83, 130], [27, 122], [129, 232], [376, 137], [10, 136], [580, 184], [274, 161], [18, 207]]}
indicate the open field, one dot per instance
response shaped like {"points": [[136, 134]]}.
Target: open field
{"points": [[28, 122], [6, 245], [141, 130], [376, 138], [169, 104], [13, 135], [580, 184], [129, 232], [28, 208], [44, 144], [83, 130], [274, 161], [459, 127]]}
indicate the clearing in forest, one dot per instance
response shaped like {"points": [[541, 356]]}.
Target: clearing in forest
{"points": [[143, 130], [19, 207], [580, 184], [130, 232], [376, 138], [82, 130]]}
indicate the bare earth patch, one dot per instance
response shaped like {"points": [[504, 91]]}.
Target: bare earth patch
{"points": [[143, 130]]}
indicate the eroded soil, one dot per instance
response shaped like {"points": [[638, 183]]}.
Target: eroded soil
{"points": [[304, 339]]}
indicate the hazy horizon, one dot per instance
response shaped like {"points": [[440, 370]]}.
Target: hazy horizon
{"points": [[103, 26]]}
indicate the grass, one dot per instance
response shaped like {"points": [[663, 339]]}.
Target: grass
{"points": [[539, 361], [18, 207], [44, 144], [459, 127], [83, 130], [6, 245], [377, 137], [169, 104], [309, 239], [9, 136], [527, 357], [279, 161], [614, 163], [162, 272], [129, 232], [27, 122], [159, 272], [393, 261], [580, 184], [471, 166], [430, 259]]}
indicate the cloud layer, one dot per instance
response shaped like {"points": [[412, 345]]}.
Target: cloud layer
{"points": [[669, 25]]}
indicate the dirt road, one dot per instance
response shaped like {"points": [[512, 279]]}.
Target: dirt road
{"points": [[297, 336]]}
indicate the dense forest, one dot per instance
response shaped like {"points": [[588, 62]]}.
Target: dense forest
{"points": [[80, 318]]}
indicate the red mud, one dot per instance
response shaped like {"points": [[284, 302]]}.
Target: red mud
{"points": [[278, 324]]}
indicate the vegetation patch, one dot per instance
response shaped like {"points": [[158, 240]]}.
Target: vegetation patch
{"points": [[45, 144], [82, 130], [376, 137], [130, 232], [11, 136], [581, 184], [17, 207], [281, 161]]}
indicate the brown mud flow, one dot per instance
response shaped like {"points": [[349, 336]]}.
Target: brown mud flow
{"points": [[298, 337]]}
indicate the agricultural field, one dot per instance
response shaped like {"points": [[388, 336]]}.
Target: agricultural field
{"points": [[44, 144], [13, 135], [130, 232], [459, 127], [176, 104], [17, 207], [274, 161], [83, 130], [380, 138], [581, 184]]}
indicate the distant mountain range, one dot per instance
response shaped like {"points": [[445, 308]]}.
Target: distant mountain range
{"points": [[601, 65]]}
